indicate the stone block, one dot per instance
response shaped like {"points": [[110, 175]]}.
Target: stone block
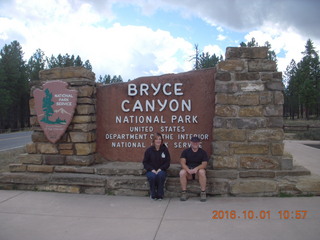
{"points": [[82, 137], [248, 99], [246, 52], [275, 122], [86, 100], [82, 119], [251, 87], [229, 87], [94, 190], [121, 168], [309, 184], [53, 159], [236, 135], [59, 188], [223, 76], [66, 152], [221, 173], [257, 174], [294, 172], [40, 168], [34, 121], [273, 110], [247, 76], [224, 162], [65, 73], [85, 91], [17, 168], [250, 123], [24, 178], [218, 187], [26, 158], [258, 162], [247, 148], [266, 98], [265, 135], [74, 169], [231, 66], [31, 148], [226, 110], [85, 148], [85, 109], [38, 136], [275, 86], [277, 149], [80, 160], [128, 182], [47, 148], [255, 111], [247, 187], [221, 148], [65, 146], [271, 76], [74, 179], [262, 65], [85, 127], [286, 163], [278, 97]]}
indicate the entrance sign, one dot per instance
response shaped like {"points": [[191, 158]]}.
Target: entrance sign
{"points": [[55, 106], [178, 106]]}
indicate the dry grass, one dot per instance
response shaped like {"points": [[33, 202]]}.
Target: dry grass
{"points": [[9, 157]]}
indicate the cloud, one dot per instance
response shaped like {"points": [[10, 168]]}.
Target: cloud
{"points": [[245, 15], [57, 27]]}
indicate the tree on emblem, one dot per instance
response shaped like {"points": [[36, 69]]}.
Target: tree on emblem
{"points": [[47, 107]]}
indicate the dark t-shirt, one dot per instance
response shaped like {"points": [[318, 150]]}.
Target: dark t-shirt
{"points": [[194, 159]]}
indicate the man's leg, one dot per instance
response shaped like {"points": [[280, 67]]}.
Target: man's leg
{"points": [[183, 179], [202, 179], [203, 184]]}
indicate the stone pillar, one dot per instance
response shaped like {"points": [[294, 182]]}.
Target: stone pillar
{"points": [[77, 146], [248, 133]]}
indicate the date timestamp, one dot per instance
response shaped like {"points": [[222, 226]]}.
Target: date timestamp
{"points": [[260, 214]]}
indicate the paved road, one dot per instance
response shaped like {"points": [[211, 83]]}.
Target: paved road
{"points": [[14, 140]]}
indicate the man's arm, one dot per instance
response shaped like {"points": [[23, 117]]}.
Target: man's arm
{"points": [[183, 163]]}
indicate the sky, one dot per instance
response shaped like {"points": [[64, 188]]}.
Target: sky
{"points": [[135, 38]]}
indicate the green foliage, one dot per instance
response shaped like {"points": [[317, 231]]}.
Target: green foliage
{"points": [[107, 79], [302, 93], [204, 60], [14, 87]]}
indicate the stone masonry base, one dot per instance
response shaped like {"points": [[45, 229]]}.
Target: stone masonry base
{"points": [[128, 179]]}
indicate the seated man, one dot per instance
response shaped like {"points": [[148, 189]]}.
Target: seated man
{"points": [[193, 161]]}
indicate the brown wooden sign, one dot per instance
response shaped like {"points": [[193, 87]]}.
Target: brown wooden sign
{"points": [[55, 106], [178, 106]]}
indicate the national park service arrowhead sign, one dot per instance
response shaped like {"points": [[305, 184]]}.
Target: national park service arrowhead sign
{"points": [[55, 106]]}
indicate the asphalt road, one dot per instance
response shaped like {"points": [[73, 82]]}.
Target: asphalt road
{"points": [[14, 140]]}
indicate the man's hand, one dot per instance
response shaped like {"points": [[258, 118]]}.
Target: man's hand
{"points": [[192, 171]]}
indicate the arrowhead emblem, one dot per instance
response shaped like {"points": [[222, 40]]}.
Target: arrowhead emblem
{"points": [[55, 106]]}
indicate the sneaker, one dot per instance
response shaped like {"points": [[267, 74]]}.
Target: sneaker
{"points": [[153, 198], [203, 196], [160, 198], [183, 196]]}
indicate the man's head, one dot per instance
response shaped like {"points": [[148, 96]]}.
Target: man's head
{"points": [[195, 143]]}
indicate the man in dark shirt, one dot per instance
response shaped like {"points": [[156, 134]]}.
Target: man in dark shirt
{"points": [[193, 162]]}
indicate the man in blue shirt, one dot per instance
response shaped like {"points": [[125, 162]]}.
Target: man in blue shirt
{"points": [[193, 162]]}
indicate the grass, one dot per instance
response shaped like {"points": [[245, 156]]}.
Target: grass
{"points": [[312, 134]]}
